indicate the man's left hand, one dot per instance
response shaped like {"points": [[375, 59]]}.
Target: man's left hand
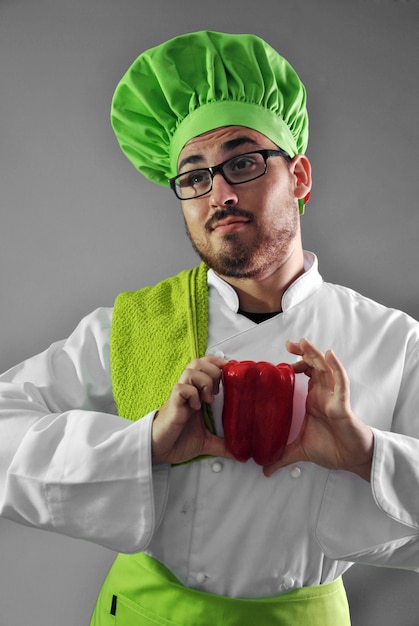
{"points": [[332, 436]]}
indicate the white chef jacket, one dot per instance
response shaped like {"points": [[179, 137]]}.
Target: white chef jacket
{"points": [[69, 464]]}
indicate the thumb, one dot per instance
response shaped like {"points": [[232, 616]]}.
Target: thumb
{"points": [[291, 454], [216, 446]]}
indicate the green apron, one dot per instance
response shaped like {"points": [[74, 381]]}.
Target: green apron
{"points": [[140, 591]]}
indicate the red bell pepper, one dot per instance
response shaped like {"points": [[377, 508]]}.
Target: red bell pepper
{"points": [[257, 411]]}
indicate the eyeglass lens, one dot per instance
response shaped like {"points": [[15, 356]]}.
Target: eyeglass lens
{"points": [[239, 169]]}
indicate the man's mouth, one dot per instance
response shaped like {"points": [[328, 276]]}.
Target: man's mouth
{"points": [[229, 221], [230, 225]]}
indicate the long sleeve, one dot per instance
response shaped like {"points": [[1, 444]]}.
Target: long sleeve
{"points": [[395, 476], [68, 463], [381, 519]]}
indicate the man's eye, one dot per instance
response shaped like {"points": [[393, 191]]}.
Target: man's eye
{"points": [[192, 179], [196, 178], [241, 164]]}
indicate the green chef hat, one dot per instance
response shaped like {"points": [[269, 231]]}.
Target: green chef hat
{"points": [[200, 81]]}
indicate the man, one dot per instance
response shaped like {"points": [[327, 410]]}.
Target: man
{"points": [[216, 541]]}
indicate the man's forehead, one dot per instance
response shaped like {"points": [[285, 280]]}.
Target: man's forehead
{"points": [[222, 140], [223, 134]]}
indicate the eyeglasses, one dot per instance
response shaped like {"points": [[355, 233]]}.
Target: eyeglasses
{"points": [[237, 170]]}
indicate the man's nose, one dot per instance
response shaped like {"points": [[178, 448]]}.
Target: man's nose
{"points": [[223, 193]]}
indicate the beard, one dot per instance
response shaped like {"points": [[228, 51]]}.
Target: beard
{"points": [[241, 259]]}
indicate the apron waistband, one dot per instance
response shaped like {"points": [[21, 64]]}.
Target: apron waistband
{"points": [[141, 591]]}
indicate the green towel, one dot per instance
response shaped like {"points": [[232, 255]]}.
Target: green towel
{"points": [[155, 333]]}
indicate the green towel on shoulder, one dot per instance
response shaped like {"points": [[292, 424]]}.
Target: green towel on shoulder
{"points": [[155, 333]]}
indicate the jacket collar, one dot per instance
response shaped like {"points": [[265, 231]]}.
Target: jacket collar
{"points": [[303, 287]]}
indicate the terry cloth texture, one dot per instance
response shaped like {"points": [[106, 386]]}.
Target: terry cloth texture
{"points": [[155, 333]]}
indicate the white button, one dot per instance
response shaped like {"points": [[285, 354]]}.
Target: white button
{"points": [[200, 577], [295, 472], [288, 582], [219, 354], [217, 467]]}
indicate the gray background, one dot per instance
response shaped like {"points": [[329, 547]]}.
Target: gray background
{"points": [[78, 224]]}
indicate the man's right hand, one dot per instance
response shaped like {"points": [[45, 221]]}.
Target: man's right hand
{"points": [[179, 433]]}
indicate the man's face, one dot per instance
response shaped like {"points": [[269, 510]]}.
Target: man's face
{"points": [[246, 230]]}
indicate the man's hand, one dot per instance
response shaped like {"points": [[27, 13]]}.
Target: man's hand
{"points": [[332, 436], [179, 433]]}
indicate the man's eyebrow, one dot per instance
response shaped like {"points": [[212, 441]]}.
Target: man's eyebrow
{"points": [[190, 160], [231, 144], [236, 142]]}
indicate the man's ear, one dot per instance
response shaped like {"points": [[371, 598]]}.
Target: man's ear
{"points": [[301, 170]]}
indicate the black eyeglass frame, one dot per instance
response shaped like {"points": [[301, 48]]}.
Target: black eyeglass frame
{"points": [[265, 153]]}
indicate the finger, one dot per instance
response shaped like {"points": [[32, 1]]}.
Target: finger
{"points": [[292, 454], [294, 347], [321, 370], [342, 384], [219, 362], [216, 446], [312, 356], [299, 367], [209, 366], [313, 361], [207, 362], [207, 387], [186, 394], [268, 470]]}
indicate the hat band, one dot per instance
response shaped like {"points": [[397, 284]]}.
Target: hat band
{"points": [[228, 113]]}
